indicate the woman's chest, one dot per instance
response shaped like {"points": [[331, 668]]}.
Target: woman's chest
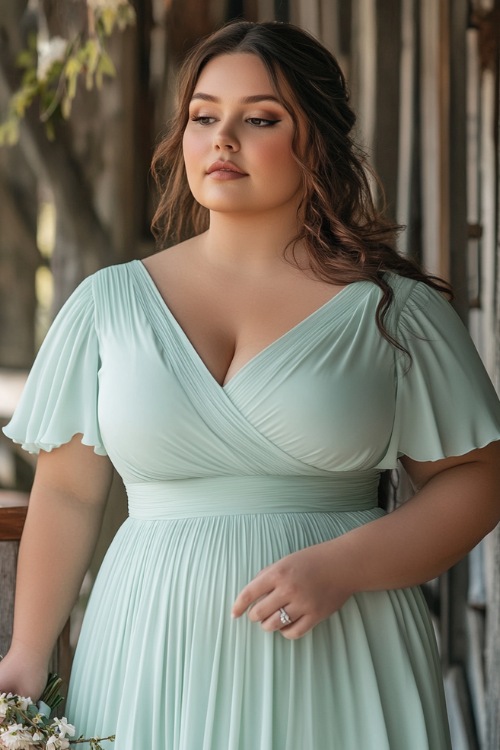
{"points": [[323, 394]]}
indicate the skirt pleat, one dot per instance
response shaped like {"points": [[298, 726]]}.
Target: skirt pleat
{"points": [[161, 663]]}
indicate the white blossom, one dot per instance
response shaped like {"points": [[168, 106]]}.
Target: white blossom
{"points": [[49, 51], [64, 727], [8, 700], [4, 707], [17, 738], [23, 703], [57, 743]]}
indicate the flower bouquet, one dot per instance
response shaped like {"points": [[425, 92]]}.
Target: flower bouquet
{"points": [[25, 725]]}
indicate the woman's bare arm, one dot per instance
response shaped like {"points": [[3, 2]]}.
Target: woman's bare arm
{"points": [[62, 526], [457, 503]]}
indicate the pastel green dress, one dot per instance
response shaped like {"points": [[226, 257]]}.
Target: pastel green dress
{"points": [[223, 481]]}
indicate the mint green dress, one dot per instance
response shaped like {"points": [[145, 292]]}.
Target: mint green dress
{"points": [[224, 480]]}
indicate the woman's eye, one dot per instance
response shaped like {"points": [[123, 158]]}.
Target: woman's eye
{"points": [[261, 122], [203, 119]]}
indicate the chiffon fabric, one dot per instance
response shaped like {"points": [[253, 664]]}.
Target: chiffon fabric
{"points": [[224, 480]]}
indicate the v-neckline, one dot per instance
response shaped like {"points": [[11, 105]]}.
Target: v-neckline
{"points": [[277, 342]]}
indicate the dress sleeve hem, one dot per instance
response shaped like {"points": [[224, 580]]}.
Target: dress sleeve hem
{"points": [[34, 447], [457, 453]]}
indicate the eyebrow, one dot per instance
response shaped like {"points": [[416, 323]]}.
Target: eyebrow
{"points": [[246, 99]]}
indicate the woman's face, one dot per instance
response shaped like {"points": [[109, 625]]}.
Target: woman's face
{"points": [[238, 140]]}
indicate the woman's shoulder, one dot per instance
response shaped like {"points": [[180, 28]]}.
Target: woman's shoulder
{"points": [[403, 287], [410, 294], [114, 272]]}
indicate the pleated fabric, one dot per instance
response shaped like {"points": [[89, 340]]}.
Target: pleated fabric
{"points": [[180, 673], [224, 480]]}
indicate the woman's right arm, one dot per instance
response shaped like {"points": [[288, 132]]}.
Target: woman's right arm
{"points": [[61, 530]]}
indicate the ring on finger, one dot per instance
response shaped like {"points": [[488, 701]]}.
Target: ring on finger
{"points": [[284, 617]]}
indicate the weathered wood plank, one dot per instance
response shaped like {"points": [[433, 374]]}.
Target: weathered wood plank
{"points": [[434, 97], [457, 155], [475, 670], [8, 564], [493, 649], [11, 524], [459, 713], [386, 138], [363, 77], [13, 508]]}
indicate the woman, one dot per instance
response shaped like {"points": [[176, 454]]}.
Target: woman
{"points": [[250, 384]]}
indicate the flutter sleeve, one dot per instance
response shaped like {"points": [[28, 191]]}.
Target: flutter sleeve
{"points": [[60, 396], [446, 404]]}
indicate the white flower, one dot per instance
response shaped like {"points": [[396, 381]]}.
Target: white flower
{"points": [[23, 703], [4, 706], [49, 51], [57, 743], [17, 738], [64, 727], [8, 700]]}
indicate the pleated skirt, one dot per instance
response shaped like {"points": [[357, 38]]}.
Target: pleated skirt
{"points": [[161, 664]]}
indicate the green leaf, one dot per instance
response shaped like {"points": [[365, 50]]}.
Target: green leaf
{"points": [[108, 18], [72, 71], [93, 54], [56, 92], [66, 103], [106, 65], [25, 59], [21, 100]]}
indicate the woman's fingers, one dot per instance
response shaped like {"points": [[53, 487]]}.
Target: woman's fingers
{"points": [[256, 589], [267, 607], [304, 583], [277, 620]]}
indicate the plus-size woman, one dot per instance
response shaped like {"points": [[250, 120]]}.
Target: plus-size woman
{"points": [[250, 384]]}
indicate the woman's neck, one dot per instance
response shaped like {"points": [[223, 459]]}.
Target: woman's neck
{"points": [[254, 244]]}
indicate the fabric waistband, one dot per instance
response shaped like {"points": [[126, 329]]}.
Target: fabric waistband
{"points": [[228, 495]]}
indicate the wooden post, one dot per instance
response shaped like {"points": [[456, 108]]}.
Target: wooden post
{"points": [[13, 506]]}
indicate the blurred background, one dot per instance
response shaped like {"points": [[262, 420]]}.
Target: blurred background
{"points": [[86, 88]]}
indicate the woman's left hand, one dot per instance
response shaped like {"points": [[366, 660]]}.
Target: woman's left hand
{"points": [[305, 584]]}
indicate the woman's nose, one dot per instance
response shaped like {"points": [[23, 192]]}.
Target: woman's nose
{"points": [[225, 139]]}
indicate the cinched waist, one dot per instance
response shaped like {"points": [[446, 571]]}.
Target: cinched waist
{"points": [[227, 495]]}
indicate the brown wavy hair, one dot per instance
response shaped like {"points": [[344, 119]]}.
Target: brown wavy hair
{"points": [[346, 237]]}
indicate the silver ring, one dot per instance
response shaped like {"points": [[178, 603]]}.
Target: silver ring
{"points": [[284, 617]]}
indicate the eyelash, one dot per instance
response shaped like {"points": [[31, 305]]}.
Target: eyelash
{"points": [[201, 119]]}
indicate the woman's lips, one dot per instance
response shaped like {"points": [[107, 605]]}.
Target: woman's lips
{"points": [[225, 170], [226, 174]]}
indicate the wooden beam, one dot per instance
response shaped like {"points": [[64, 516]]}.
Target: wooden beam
{"points": [[13, 509], [434, 84], [388, 71], [457, 155], [363, 71], [8, 565], [306, 15]]}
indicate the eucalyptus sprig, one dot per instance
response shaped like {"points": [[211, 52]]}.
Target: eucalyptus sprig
{"points": [[53, 67]]}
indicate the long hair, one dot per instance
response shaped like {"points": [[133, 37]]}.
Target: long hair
{"points": [[346, 237]]}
